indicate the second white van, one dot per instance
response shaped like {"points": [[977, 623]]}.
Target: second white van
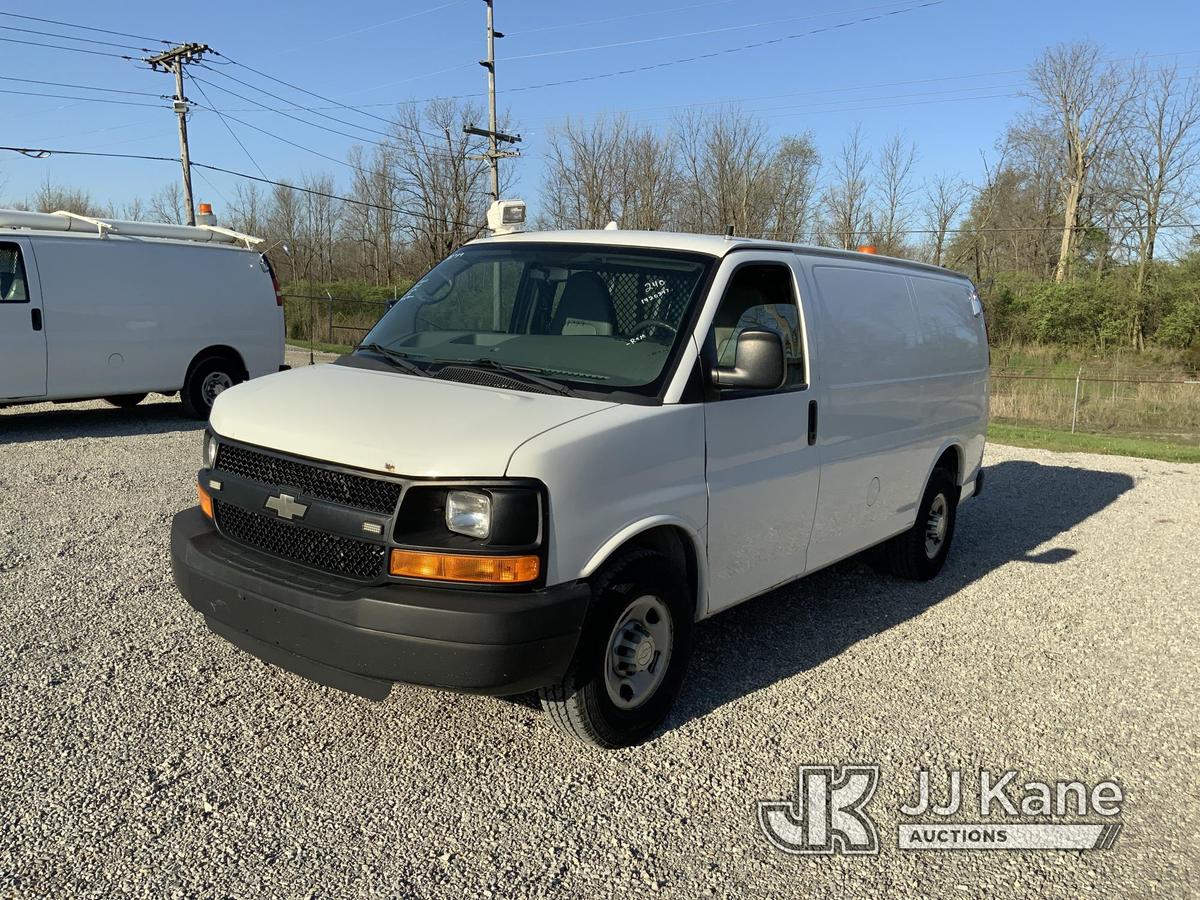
{"points": [[559, 451], [100, 308]]}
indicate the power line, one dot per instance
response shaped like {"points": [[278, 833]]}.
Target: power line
{"points": [[87, 28], [690, 34], [82, 99], [70, 37], [228, 127], [632, 70], [60, 47], [338, 37], [326, 128], [284, 100], [279, 138], [43, 152], [301, 90], [653, 12], [79, 87]]}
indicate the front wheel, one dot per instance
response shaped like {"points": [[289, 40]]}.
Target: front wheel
{"points": [[631, 657], [919, 553]]}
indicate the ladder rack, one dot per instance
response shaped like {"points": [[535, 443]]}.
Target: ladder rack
{"points": [[68, 221]]}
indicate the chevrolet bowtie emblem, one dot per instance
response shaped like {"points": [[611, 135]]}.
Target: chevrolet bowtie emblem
{"points": [[287, 507]]}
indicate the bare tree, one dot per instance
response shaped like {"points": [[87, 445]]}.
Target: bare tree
{"points": [[1087, 102], [248, 213], [284, 224], [725, 174], [609, 170], [944, 197], [895, 190], [166, 205], [847, 208], [1161, 152], [793, 188], [370, 223], [441, 191], [51, 197]]}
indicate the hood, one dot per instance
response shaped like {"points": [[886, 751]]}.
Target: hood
{"points": [[391, 422]]}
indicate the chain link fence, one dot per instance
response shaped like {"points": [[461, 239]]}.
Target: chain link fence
{"points": [[340, 321], [1163, 405]]}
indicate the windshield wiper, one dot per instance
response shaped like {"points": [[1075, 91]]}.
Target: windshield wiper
{"points": [[395, 357], [531, 374]]}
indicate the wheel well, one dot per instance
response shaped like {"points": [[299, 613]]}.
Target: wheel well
{"points": [[675, 544], [951, 461], [219, 350]]}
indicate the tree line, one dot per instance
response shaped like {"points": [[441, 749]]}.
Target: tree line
{"points": [[1080, 231]]}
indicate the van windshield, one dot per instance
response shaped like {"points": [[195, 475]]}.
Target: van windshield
{"points": [[600, 318]]}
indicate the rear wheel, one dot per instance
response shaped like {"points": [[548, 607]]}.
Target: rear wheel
{"points": [[919, 553], [125, 401], [206, 380], [631, 657]]}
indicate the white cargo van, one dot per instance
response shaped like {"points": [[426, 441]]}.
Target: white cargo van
{"points": [[559, 451], [95, 308]]}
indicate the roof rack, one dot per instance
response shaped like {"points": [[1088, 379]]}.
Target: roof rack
{"points": [[69, 221]]}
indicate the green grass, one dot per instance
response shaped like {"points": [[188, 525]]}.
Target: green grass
{"points": [[1064, 441], [319, 346]]}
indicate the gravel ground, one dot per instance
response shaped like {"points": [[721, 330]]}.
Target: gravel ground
{"points": [[142, 755]]}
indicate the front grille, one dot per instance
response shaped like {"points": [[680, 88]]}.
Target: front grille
{"points": [[359, 491], [316, 549]]}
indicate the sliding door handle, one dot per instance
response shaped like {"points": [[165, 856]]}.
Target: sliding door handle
{"points": [[35, 317], [812, 422]]}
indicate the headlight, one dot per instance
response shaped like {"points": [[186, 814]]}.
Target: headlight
{"points": [[210, 450], [469, 513]]}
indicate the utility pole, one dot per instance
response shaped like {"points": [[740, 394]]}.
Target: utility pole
{"points": [[495, 138], [173, 60]]}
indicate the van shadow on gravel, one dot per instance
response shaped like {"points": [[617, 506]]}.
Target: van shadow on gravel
{"points": [[801, 625], [19, 425]]}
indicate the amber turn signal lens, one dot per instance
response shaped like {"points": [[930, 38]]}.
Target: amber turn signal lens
{"points": [[478, 569], [205, 501]]}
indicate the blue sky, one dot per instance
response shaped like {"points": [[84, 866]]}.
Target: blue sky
{"points": [[945, 75]]}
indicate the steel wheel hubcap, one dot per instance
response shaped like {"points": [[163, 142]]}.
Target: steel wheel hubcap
{"points": [[213, 384], [638, 652], [935, 526]]}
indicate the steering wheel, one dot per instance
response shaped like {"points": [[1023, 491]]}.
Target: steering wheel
{"points": [[651, 324]]}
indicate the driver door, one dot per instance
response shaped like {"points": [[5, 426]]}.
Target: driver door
{"points": [[22, 333], [762, 465]]}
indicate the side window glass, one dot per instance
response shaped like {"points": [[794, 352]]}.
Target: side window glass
{"points": [[12, 275], [761, 297]]}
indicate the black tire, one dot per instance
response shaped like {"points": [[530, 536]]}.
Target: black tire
{"points": [[125, 401], [197, 393], [581, 704], [911, 554]]}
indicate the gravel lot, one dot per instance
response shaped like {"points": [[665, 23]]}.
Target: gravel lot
{"points": [[142, 755]]}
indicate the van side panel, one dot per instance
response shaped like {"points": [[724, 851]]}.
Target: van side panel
{"points": [[127, 315], [876, 434], [955, 348]]}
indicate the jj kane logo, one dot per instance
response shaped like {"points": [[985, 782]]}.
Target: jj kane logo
{"points": [[829, 813]]}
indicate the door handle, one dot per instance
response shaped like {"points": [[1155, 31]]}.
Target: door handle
{"points": [[35, 317], [812, 422]]}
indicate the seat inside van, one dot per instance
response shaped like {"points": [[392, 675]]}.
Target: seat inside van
{"points": [[585, 307]]}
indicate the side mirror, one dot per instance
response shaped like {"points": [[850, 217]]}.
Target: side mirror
{"points": [[758, 363]]}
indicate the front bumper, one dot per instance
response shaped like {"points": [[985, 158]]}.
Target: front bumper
{"points": [[362, 638]]}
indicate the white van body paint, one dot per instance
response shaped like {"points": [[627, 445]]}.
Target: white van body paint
{"points": [[897, 367], [129, 314]]}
